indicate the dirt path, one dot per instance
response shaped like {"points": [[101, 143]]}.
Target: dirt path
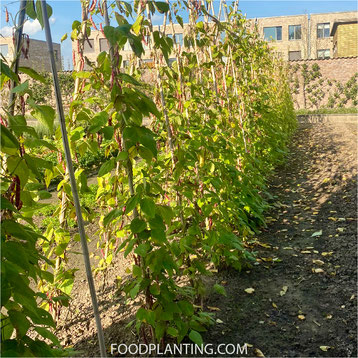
{"points": [[314, 218], [311, 250]]}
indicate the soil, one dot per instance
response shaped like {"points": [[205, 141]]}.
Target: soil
{"points": [[304, 301]]}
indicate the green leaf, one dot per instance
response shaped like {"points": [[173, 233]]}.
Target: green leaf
{"points": [[30, 9], [142, 249], [148, 207], [220, 289], [8, 141], [108, 132], [161, 6], [45, 114], [48, 335], [134, 291], [6, 331], [158, 235], [106, 167], [129, 79], [145, 153], [122, 156], [166, 213], [64, 37], [186, 307], [131, 203], [36, 143], [147, 141], [20, 322], [5, 204], [180, 20], [196, 337], [137, 271], [138, 225], [32, 73], [5, 69], [39, 12], [17, 166], [13, 251], [111, 216], [154, 289], [137, 24], [21, 88], [172, 332]]}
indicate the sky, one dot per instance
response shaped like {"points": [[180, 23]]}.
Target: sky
{"points": [[67, 11]]}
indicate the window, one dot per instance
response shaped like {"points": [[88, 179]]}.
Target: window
{"points": [[55, 53], [323, 30], [103, 45], [125, 63], [294, 32], [273, 33], [4, 50], [179, 39], [294, 55], [323, 54], [87, 47]]}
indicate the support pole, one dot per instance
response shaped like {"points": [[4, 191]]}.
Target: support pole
{"points": [[73, 181], [18, 41]]}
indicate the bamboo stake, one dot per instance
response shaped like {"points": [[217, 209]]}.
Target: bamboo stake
{"points": [[66, 146], [236, 91], [18, 44], [64, 198], [160, 85], [129, 165], [211, 57]]}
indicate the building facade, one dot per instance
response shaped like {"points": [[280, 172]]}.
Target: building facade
{"points": [[303, 37], [345, 38], [298, 37], [34, 54]]}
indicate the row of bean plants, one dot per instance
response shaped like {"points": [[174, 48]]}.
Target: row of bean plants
{"points": [[183, 186]]}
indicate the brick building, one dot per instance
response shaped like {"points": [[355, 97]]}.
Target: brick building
{"points": [[297, 37], [302, 37], [345, 37], [98, 43], [38, 56]]}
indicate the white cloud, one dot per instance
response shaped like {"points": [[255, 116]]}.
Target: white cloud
{"points": [[31, 27]]}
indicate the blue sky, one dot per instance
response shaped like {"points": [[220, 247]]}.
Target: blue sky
{"points": [[66, 11]]}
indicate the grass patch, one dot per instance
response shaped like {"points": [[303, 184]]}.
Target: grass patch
{"points": [[351, 110], [87, 200]]}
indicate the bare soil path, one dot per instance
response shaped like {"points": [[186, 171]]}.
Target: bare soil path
{"points": [[305, 281], [305, 298]]}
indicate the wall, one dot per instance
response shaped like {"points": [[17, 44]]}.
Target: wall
{"points": [[347, 40], [336, 71], [38, 55]]}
